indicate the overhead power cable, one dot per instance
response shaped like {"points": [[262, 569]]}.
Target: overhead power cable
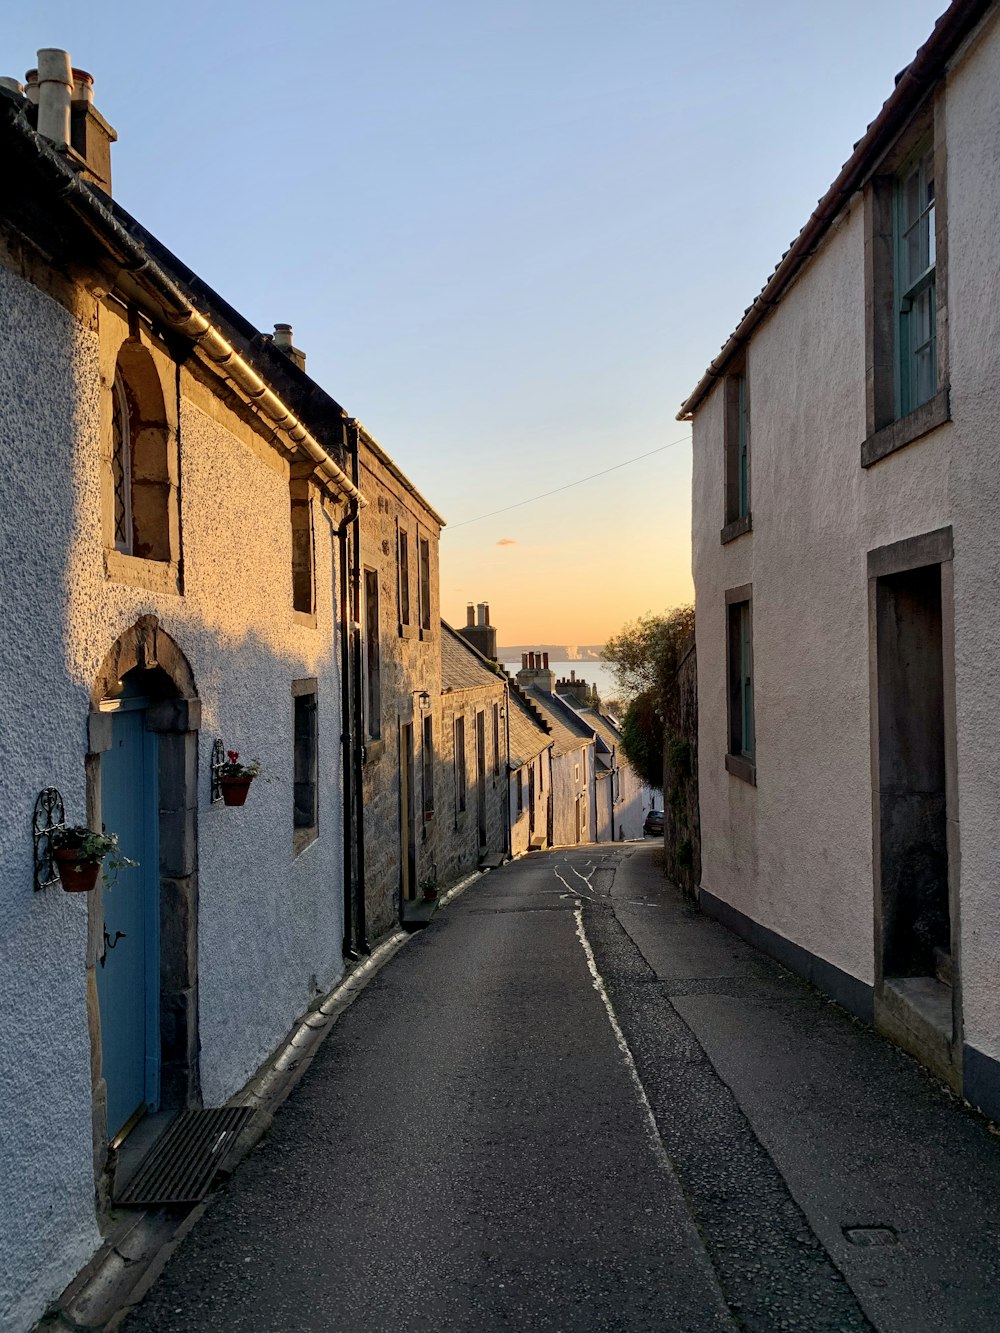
{"points": [[569, 485]]}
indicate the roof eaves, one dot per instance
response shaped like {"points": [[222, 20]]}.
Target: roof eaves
{"points": [[911, 88]]}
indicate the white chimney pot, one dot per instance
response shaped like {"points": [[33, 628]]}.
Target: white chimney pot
{"points": [[55, 94]]}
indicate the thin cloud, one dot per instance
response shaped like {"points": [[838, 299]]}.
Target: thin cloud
{"points": [[506, 541]]}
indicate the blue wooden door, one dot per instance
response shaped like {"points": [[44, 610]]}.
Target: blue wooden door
{"points": [[128, 971]]}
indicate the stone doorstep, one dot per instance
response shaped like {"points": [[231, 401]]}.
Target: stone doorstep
{"points": [[916, 1013], [135, 1253]]}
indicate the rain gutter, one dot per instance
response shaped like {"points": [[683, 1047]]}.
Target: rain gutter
{"points": [[914, 84]]}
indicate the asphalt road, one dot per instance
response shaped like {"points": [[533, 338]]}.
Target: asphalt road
{"points": [[573, 1103]]}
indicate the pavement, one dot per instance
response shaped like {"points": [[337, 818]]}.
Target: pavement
{"points": [[574, 1103]]}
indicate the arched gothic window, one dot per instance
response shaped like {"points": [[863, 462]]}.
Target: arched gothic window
{"points": [[144, 495]]}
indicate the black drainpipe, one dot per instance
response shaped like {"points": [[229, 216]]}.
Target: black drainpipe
{"points": [[346, 736], [506, 794], [359, 738]]}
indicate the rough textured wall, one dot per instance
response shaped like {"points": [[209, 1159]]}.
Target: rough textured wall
{"points": [[795, 852], [631, 808], [973, 120], [410, 663], [572, 780], [520, 825], [47, 1224], [269, 924], [451, 849], [681, 825]]}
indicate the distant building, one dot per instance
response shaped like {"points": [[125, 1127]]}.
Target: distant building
{"points": [[478, 630], [573, 762]]}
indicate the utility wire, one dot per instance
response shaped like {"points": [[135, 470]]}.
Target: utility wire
{"points": [[569, 485]]}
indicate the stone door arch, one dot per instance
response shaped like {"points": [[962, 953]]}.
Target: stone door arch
{"points": [[147, 654]]}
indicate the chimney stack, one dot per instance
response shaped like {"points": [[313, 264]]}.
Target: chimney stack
{"points": [[535, 672], [67, 117], [478, 631], [11, 85], [283, 342]]}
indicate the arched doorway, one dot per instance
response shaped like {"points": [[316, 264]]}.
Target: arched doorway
{"points": [[142, 785]]}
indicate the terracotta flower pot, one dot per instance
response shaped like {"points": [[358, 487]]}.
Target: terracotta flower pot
{"points": [[430, 895], [234, 790], [75, 877]]}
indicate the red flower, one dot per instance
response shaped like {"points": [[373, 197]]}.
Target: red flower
{"points": [[232, 755]]}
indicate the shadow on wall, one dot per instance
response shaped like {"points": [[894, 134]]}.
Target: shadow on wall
{"points": [[682, 825]]}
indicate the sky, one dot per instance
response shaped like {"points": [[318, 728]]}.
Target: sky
{"points": [[510, 236]]}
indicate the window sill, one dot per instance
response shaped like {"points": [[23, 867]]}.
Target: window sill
{"points": [[898, 434], [303, 838], [407, 631], [744, 769], [736, 529], [153, 575], [373, 750], [307, 618]]}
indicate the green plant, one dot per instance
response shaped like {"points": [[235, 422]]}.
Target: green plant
{"points": [[679, 757], [89, 847], [685, 857], [427, 884], [233, 770]]}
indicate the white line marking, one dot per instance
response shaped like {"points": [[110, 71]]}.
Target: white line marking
{"points": [[652, 1133]]}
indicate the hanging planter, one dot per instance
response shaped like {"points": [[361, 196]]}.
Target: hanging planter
{"points": [[234, 778], [79, 854]]}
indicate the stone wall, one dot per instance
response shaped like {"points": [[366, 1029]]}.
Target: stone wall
{"points": [[520, 824], [682, 829], [410, 663]]}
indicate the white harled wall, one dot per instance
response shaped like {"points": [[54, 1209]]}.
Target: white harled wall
{"points": [[795, 852], [270, 926]]}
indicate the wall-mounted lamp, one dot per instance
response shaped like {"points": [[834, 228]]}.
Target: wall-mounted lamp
{"points": [[424, 700]]}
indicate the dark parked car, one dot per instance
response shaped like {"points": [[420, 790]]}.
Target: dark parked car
{"points": [[654, 822]]}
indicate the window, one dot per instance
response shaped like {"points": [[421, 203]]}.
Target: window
{"points": [[427, 769], [302, 546], [906, 271], [460, 779], [520, 792], [915, 250], [739, 614], [425, 583], [141, 452], [496, 740], [403, 559], [373, 660], [736, 432], [121, 465], [306, 818], [576, 772]]}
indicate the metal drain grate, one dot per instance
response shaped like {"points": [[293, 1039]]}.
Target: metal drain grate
{"points": [[867, 1236], [181, 1166]]}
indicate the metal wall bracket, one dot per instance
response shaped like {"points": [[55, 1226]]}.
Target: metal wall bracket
{"points": [[218, 760], [49, 814]]}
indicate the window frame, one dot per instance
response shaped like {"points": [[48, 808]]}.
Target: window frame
{"points": [[736, 451], [892, 420], [403, 578], [373, 654], [305, 764], [741, 743], [424, 580], [460, 766], [427, 769], [121, 464]]}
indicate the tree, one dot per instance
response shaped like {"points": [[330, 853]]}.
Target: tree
{"points": [[645, 655]]}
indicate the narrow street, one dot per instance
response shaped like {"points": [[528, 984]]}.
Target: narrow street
{"points": [[574, 1103]]}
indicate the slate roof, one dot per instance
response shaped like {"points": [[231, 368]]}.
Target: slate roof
{"points": [[911, 88], [462, 666], [528, 736], [569, 732], [606, 730]]}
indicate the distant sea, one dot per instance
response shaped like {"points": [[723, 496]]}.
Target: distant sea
{"points": [[594, 673]]}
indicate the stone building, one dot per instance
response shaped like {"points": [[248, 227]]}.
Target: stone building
{"points": [[175, 507], [399, 681], [463, 766], [573, 794], [845, 563], [620, 797], [530, 754]]}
